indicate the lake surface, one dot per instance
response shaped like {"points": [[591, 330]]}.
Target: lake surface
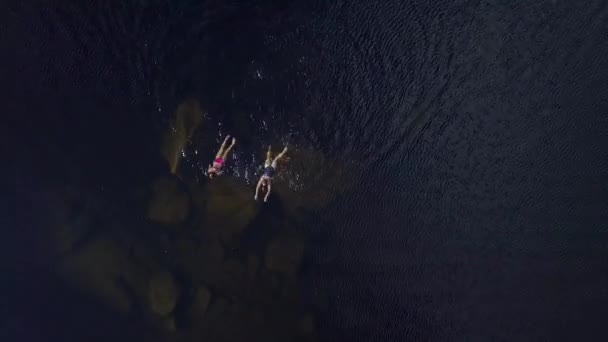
{"points": [[447, 177]]}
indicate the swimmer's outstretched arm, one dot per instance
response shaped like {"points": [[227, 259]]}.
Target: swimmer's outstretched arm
{"points": [[280, 155], [268, 191], [268, 154], [220, 152], [225, 155], [257, 189]]}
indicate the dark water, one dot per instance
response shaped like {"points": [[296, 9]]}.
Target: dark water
{"points": [[466, 143]]}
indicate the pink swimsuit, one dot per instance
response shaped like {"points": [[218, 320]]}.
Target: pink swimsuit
{"points": [[217, 164]]}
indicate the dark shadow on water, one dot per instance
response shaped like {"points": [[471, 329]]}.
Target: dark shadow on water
{"points": [[482, 125], [41, 307], [265, 225]]}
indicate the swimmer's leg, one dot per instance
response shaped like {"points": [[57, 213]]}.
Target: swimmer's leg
{"points": [[220, 152], [257, 189], [279, 156], [229, 148], [268, 156]]}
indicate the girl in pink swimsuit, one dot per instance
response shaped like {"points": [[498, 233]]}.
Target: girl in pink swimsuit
{"points": [[215, 168]]}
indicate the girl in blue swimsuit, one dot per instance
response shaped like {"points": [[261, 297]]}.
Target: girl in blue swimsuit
{"points": [[270, 166]]}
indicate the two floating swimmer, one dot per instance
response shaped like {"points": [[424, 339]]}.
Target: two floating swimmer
{"points": [[270, 167]]}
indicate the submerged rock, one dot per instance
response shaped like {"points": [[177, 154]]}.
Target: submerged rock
{"points": [[188, 255], [210, 262], [201, 301], [230, 320], [252, 266], [219, 312], [290, 292], [163, 293], [67, 234], [199, 197], [198, 314], [169, 324], [187, 118], [169, 204], [233, 277], [306, 325], [97, 268], [284, 254], [229, 208], [70, 217]]}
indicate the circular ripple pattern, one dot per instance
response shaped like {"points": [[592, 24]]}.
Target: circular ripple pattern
{"points": [[475, 133], [480, 133]]}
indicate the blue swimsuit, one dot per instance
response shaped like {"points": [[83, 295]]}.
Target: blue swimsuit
{"points": [[269, 171]]}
